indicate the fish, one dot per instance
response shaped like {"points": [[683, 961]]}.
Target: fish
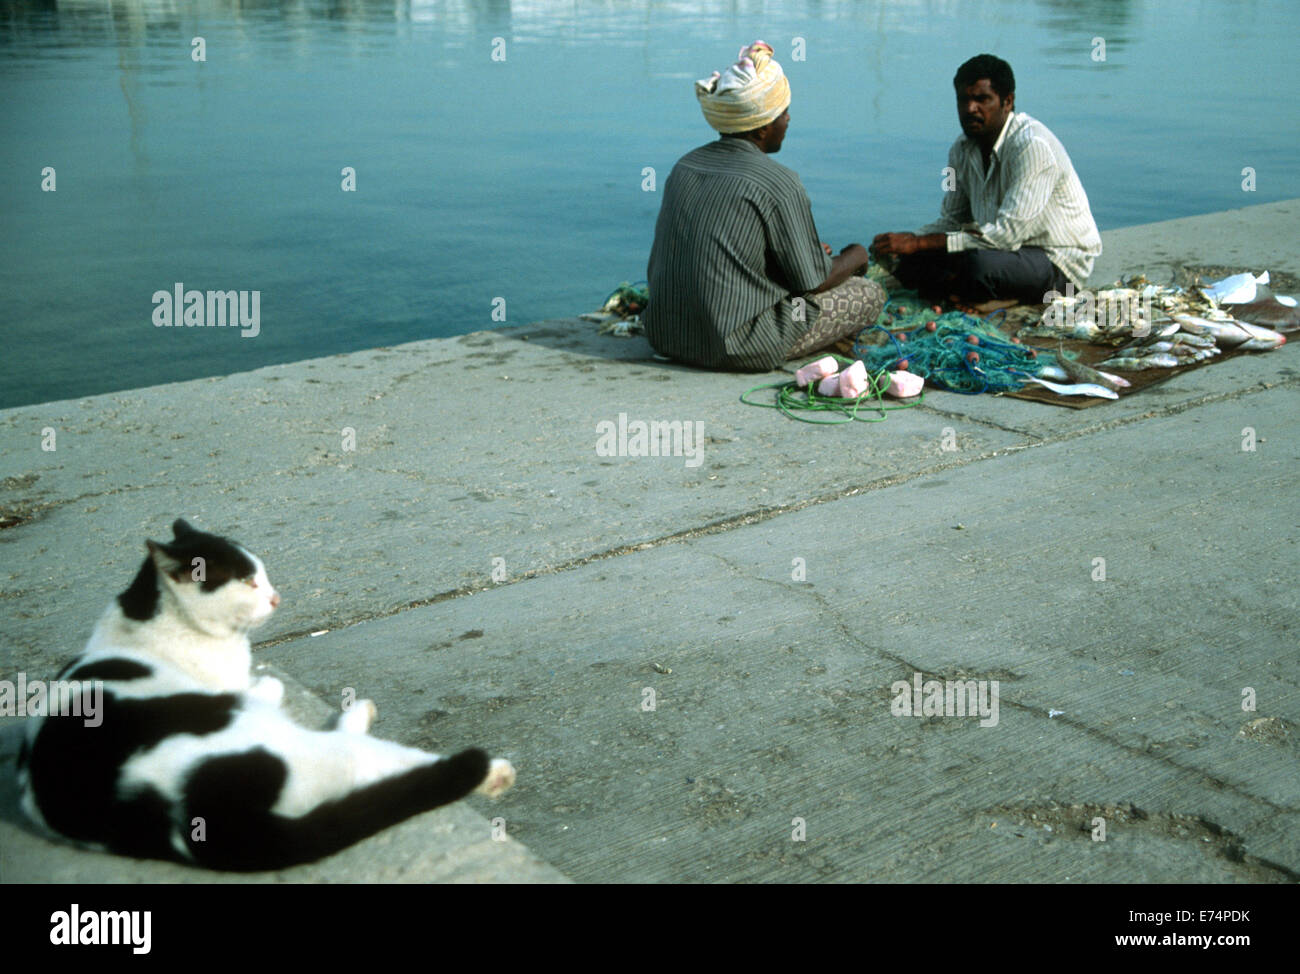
{"points": [[1232, 334], [1186, 354], [1199, 341], [1269, 313], [1163, 329], [1077, 389], [622, 327], [1151, 331], [1204, 327], [1128, 363], [1084, 331], [1058, 374], [1180, 344], [1261, 339], [1080, 373], [1151, 349]]}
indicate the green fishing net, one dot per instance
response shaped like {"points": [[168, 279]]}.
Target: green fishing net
{"points": [[949, 349]]}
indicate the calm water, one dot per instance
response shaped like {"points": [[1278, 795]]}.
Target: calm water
{"points": [[479, 178]]}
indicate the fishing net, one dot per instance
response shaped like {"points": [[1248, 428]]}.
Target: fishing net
{"points": [[627, 299], [952, 350]]}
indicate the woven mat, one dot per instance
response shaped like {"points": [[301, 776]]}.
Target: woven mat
{"points": [[1084, 352], [1268, 315], [1090, 354]]}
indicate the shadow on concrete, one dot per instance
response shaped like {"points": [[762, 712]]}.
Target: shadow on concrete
{"points": [[578, 337], [11, 736]]}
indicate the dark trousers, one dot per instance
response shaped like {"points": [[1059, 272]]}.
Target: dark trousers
{"points": [[981, 275]]}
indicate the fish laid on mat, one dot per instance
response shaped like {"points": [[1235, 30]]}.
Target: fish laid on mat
{"points": [[1178, 349], [1197, 341], [1078, 389], [1135, 351], [1161, 329], [1077, 372], [1269, 313], [1080, 331], [1232, 334], [1128, 363], [1181, 345]]}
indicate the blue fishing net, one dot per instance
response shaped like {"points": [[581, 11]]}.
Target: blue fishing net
{"points": [[952, 350]]}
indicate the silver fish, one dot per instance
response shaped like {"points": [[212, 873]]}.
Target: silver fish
{"points": [[1269, 313], [1082, 374], [1057, 374], [1232, 334], [1196, 325], [1159, 329], [1078, 389], [1161, 360], [1152, 349], [1261, 339], [1085, 331]]}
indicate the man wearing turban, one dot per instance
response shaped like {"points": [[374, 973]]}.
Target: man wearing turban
{"points": [[738, 277]]}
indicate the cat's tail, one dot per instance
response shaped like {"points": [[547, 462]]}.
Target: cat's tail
{"points": [[230, 826]]}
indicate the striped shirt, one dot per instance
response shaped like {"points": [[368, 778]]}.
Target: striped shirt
{"points": [[1030, 197], [734, 255]]}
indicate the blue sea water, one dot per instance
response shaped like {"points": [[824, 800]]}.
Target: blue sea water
{"points": [[500, 150]]}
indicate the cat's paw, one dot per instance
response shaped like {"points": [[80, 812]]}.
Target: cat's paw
{"points": [[500, 776], [267, 689], [358, 718]]}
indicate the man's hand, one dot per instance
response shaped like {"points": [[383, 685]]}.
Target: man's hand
{"points": [[844, 265], [902, 244], [855, 255], [898, 244]]}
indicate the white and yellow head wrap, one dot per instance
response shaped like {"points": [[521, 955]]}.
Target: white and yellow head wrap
{"points": [[748, 95]]}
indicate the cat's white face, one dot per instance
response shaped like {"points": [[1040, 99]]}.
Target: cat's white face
{"points": [[238, 605], [256, 598]]}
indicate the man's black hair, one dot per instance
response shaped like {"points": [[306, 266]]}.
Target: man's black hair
{"points": [[1001, 80], [750, 132]]}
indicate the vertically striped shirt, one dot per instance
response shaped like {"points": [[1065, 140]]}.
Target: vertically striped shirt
{"points": [[1030, 196], [735, 246]]}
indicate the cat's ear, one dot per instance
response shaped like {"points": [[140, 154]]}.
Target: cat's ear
{"points": [[164, 560], [181, 527]]}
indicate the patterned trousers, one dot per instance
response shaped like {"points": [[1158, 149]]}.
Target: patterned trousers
{"points": [[846, 310]]}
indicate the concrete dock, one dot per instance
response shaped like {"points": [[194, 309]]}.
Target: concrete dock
{"points": [[691, 660]]}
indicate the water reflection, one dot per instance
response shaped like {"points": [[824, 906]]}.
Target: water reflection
{"points": [[478, 178]]}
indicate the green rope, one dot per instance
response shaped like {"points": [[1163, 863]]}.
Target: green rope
{"points": [[791, 400]]}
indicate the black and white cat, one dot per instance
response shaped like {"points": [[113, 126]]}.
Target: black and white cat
{"points": [[194, 759]]}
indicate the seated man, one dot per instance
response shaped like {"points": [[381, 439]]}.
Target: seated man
{"points": [[1016, 224], [738, 278]]}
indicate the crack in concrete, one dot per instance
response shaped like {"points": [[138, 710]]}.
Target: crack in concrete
{"points": [[1074, 820], [760, 515], [765, 514], [1132, 750], [966, 417], [1226, 844], [846, 631]]}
